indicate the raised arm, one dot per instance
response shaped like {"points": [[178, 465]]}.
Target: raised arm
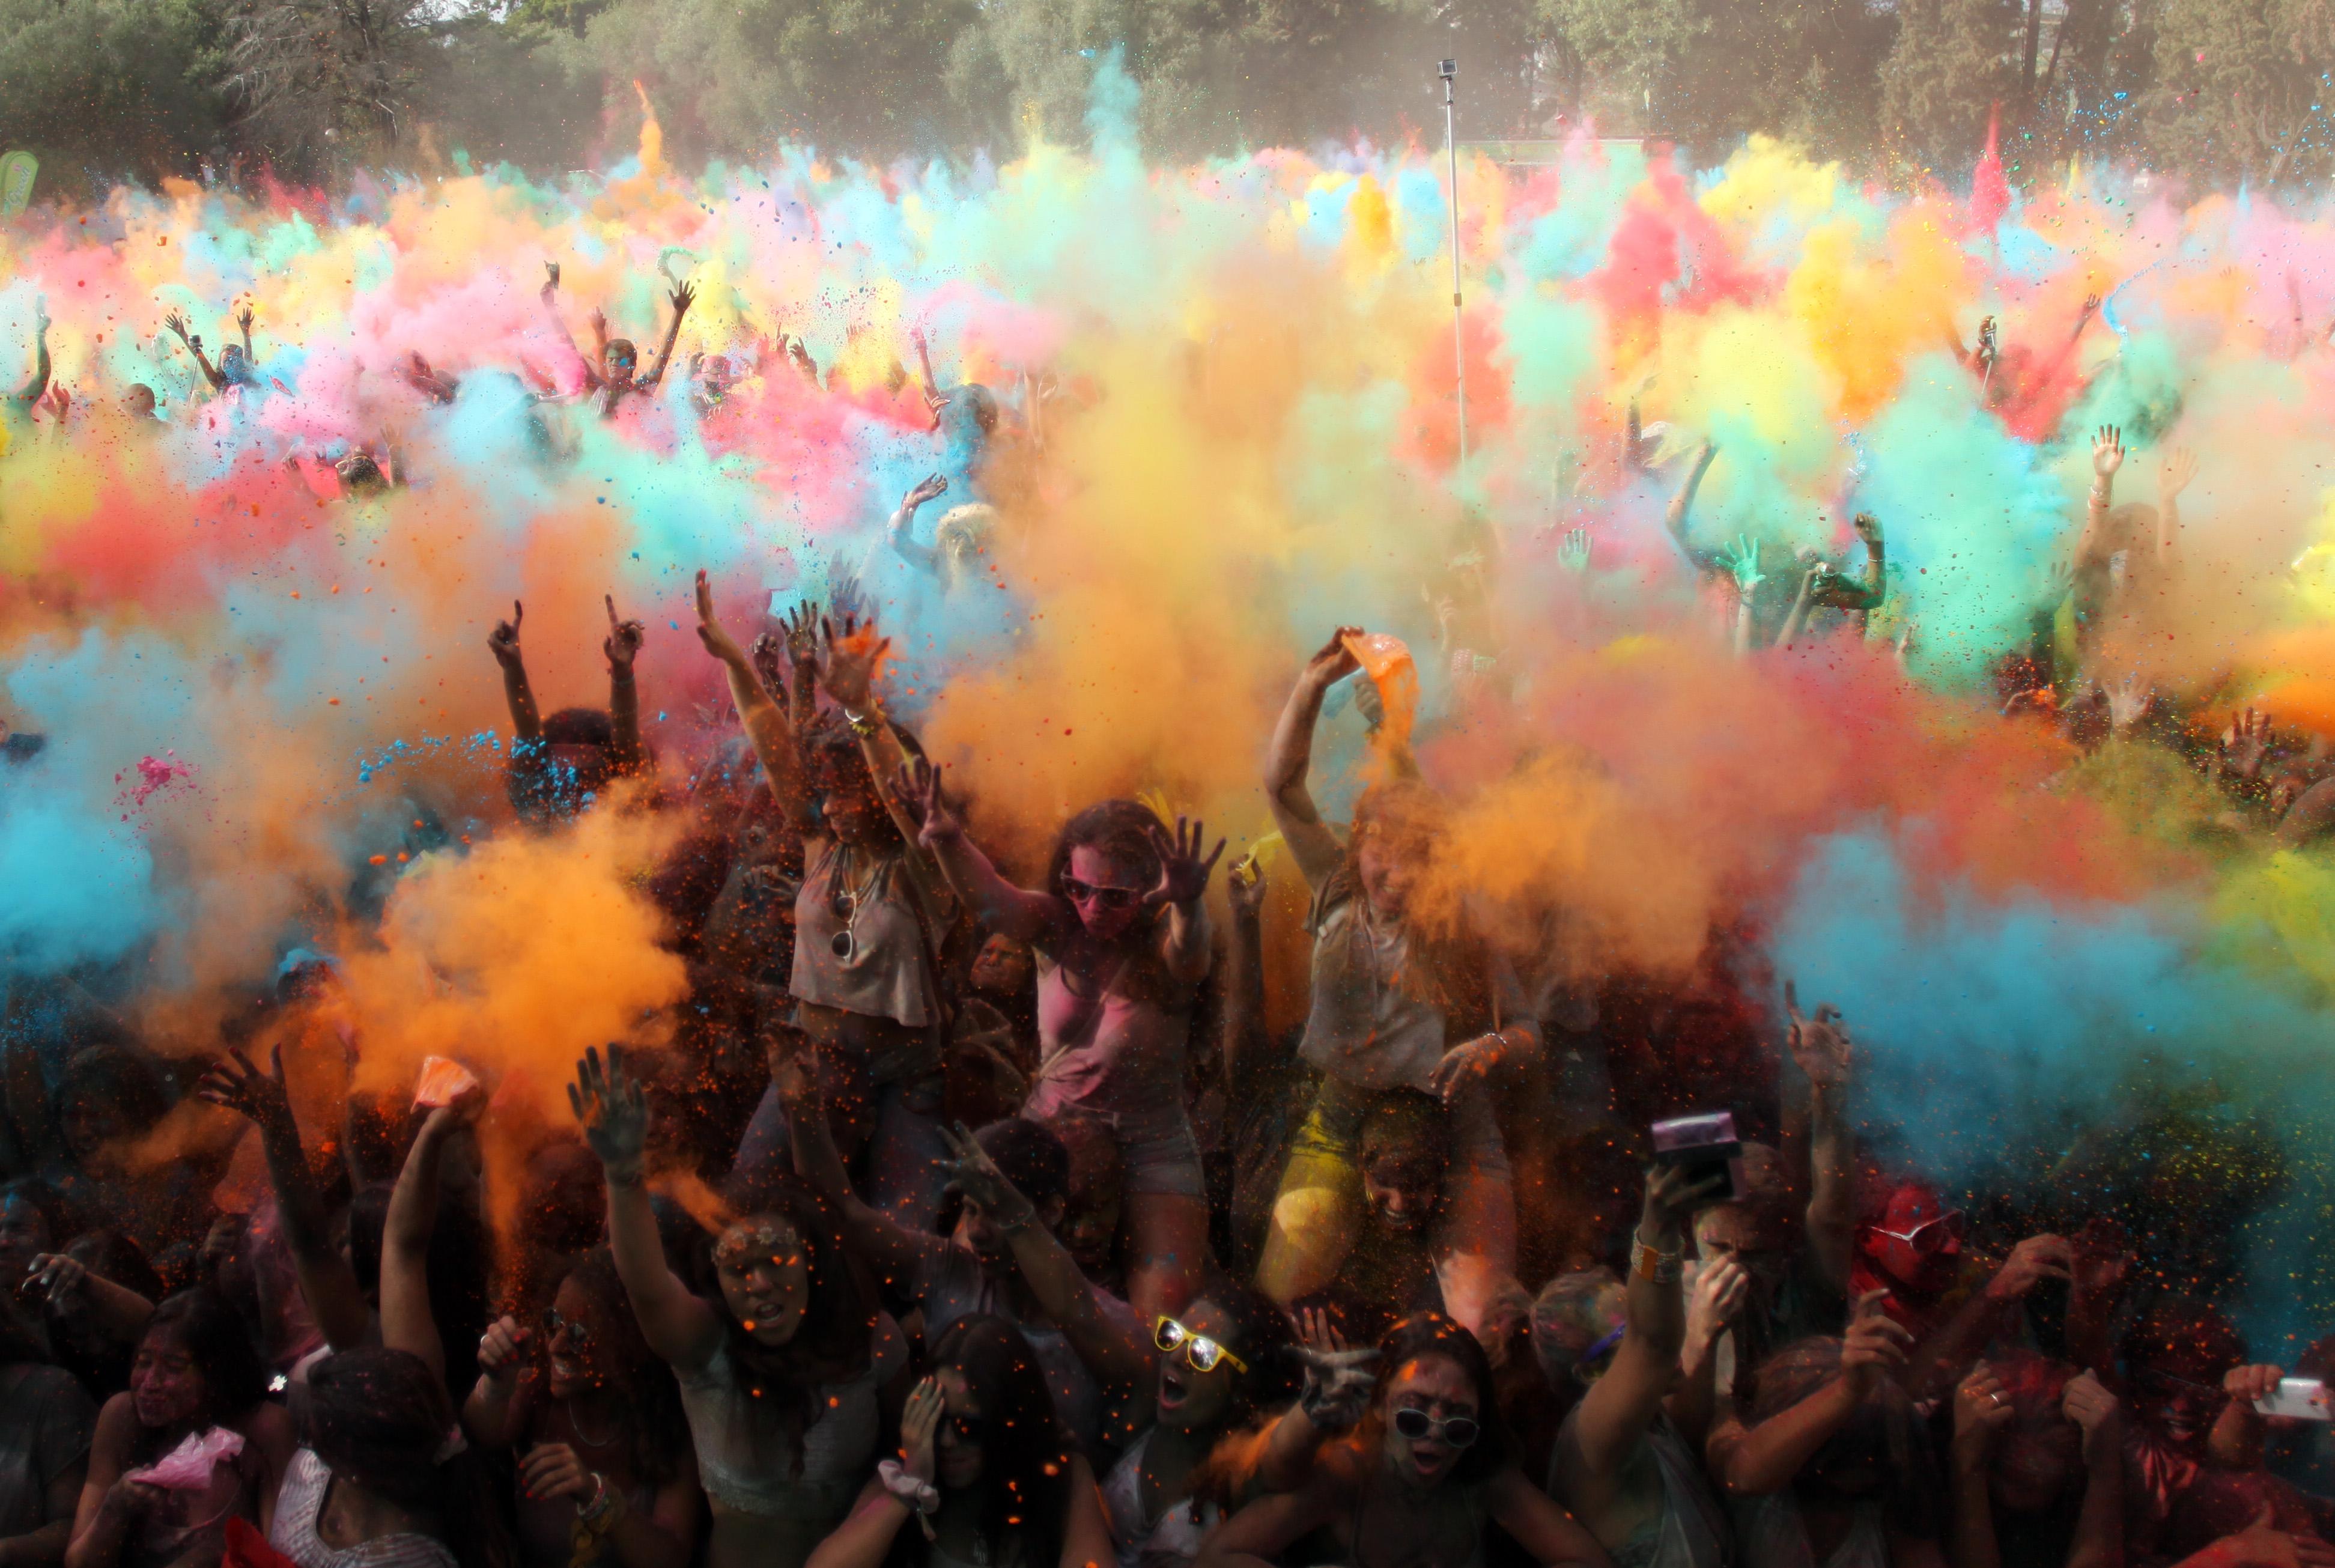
{"points": [[900, 1491], [328, 1282], [1242, 1036], [1821, 1047], [1311, 843], [406, 1322], [1877, 559], [30, 392], [242, 323], [678, 1326], [849, 654], [621, 646], [1258, 1535], [71, 1292], [683, 295], [1621, 1404], [902, 530], [999, 906], [1120, 1355], [176, 322], [495, 1412], [1937, 1361], [764, 720], [1720, 1290], [2107, 456], [1980, 1410], [1753, 1461], [1682, 505], [2172, 476], [593, 379], [527, 724], [892, 1249], [2099, 1526]]}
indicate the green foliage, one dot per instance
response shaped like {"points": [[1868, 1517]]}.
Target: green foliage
{"points": [[107, 89], [2239, 89], [1955, 61]]}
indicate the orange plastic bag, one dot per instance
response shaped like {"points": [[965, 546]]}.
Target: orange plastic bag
{"points": [[1387, 660], [444, 1080]]}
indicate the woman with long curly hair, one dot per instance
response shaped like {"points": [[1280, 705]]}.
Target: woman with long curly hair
{"points": [[780, 1356]]}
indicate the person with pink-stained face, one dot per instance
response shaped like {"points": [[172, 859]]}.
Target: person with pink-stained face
{"points": [[1122, 940]]}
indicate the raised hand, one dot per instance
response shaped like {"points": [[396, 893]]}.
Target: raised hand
{"points": [[2108, 451], [503, 641], [2086, 1402], [1573, 550], [1245, 887], [848, 660], [613, 1113], [1335, 661], [801, 626], [2128, 701], [624, 640], [920, 1424], [2245, 743], [918, 790], [505, 1350], [1820, 1045], [550, 276], [243, 318], [718, 642], [2174, 469], [931, 488], [1338, 1384], [1671, 1194], [2030, 1263], [972, 1172], [1183, 875], [176, 323], [1982, 1410], [1720, 1288], [683, 295], [1867, 527], [1315, 1331], [57, 1278], [1741, 562], [1876, 1344], [233, 1083]]}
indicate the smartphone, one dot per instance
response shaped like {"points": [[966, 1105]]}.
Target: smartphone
{"points": [[2303, 1399], [1706, 1145]]}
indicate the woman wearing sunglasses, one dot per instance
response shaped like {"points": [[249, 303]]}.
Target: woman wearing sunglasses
{"points": [[1121, 934], [1419, 1480], [868, 917], [987, 1475], [597, 1420]]}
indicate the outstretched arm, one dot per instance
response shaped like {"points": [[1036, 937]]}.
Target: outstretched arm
{"points": [[2172, 476], [1185, 940], [406, 1323], [1822, 1048], [621, 644], [764, 720], [328, 1282], [902, 530], [999, 906], [30, 392], [1682, 505], [1751, 1462], [177, 323], [527, 724], [678, 1326], [2107, 456], [1243, 1031], [1316, 848], [682, 296], [593, 378], [892, 1249]]}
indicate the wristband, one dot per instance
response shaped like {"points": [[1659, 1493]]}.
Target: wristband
{"points": [[866, 725], [596, 1514], [1650, 1262], [919, 1497]]}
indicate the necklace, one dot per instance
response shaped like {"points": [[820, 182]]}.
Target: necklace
{"points": [[576, 1424], [845, 901]]}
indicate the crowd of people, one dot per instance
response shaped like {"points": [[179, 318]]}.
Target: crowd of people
{"points": [[974, 1213]]}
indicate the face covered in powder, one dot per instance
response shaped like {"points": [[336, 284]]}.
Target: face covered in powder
{"points": [[764, 1271]]}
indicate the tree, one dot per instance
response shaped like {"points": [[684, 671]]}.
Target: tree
{"points": [[2240, 89], [112, 89], [330, 83], [1954, 63]]}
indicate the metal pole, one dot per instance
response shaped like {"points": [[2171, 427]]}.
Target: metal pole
{"points": [[1450, 72]]}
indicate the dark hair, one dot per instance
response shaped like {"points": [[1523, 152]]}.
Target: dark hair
{"points": [[579, 727], [657, 1429], [1119, 830], [833, 761], [1033, 1158], [381, 1420], [1025, 1472], [234, 1376], [1425, 1334], [22, 1337], [1411, 1117], [57, 1216], [1885, 1432], [1261, 1336], [836, 1340], [117, 1075]]}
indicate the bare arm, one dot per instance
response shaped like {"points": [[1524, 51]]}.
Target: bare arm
{"points": [[1548, 1534], [2107, 456], [175, 322], [44, 1546], [1000, 907], [495, 1413], [682, 298], [902, 530], [765, 722], [593, 378], [527, 724], [110, 1508], [1316, 848], [1620, 1405], [2172, 476], [1752, 1461], [1258, 1535], [68, 1287], [1185, 946], [1821, 1046], [1719, 1288], [30, 392], [2099, 1526], [406, 1323], [1682, 505], [328, 1282], [622, 646], [864, 1539], [1243, 1027]]}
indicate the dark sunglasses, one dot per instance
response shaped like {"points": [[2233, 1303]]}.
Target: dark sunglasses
{"points": [[1414, 1423], [969, 1430], [1931, 1235], [1078, 892], [554, 1325], [1201, 1354]]}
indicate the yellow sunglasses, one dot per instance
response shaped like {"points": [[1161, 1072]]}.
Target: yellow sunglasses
{"points": [[1200, 1351]]}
